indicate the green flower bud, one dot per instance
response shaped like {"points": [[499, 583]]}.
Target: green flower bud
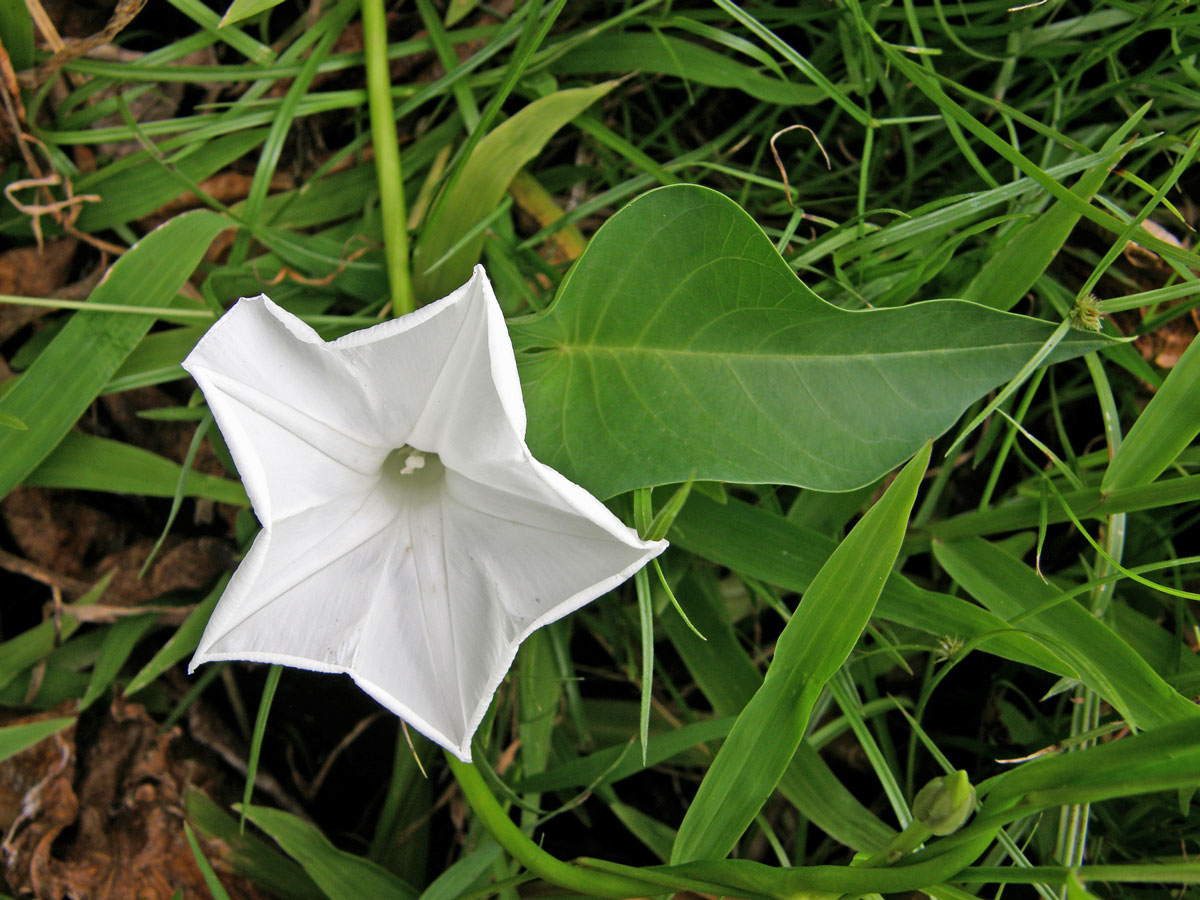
{"points": [[945, 803]]}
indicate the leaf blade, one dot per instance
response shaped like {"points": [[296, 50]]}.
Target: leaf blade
{"points": [[90, 463], [682, 327], [813, 645], [338, 873], [69, 373], [15, 738], [1170, 421], [494, 163], [1103, 661]]}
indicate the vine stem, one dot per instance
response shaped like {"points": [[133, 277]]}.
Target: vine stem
{"points": [[387, 157], [529, 854]]}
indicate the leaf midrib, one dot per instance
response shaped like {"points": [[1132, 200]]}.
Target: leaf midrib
{"points": [[634, 350]]}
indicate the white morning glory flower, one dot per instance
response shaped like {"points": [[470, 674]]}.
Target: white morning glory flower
{"points": [[409, 537]]}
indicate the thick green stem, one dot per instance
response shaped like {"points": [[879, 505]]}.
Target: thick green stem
{"points": [[529, 854], [387, 156]]}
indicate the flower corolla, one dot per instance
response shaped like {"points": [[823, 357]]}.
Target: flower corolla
{"points": [[409, 538]]}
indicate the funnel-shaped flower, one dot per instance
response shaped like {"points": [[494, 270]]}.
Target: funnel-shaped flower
{"points": [[409, 538]]}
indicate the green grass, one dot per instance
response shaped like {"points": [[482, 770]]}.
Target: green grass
{"points": [[1044, 589]]}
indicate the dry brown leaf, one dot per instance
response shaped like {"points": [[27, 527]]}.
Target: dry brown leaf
{"points": [[62, 535], [55, 530], [182, 564], [28, 272], [1165, 344], [101, 818]]}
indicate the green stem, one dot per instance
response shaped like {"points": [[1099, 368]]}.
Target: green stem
{"points": [[529, 854], [387, 156]]}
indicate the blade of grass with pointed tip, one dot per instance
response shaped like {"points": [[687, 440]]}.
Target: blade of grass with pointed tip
{"points": [[814, 644], [338, 873], [118, 644], [456, 10], [244, 9], [69, 373], [256, 737], [667, 55], [1170, 421], [484, 179], [807, 68], [15, 738], [234, 37], [1100, 658], [215, 888], [89, 463], [185, 639], [1013, 269], [180, 489]]}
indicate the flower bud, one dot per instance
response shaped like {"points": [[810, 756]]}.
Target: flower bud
{"points": [[945, 803]]}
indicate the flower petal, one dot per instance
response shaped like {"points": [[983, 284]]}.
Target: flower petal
{"points": [[295, 419], [447, 382]]}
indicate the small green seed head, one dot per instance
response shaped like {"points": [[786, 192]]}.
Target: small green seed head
{"points": [[1085, 313]]}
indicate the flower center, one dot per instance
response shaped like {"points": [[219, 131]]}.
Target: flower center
{"points": [[407, 467]]}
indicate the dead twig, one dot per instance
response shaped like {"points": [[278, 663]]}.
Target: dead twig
{"points": [[72, 49], [71, 204], [310, 789], [72, 587], [787, 188]]}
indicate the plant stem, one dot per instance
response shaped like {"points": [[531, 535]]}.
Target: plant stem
{"points": [[387, 157], [529, 854]]}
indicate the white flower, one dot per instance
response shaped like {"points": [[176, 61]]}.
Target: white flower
{"points": [[409, 538]]}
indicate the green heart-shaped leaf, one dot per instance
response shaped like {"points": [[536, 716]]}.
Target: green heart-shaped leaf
{"points": [[682, 344]]}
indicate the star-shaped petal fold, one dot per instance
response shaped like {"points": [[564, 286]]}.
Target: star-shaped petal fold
{"points": [[409, 537]]}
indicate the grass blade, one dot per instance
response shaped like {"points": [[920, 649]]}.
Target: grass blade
{"points": [[256, 739], [74, 368], [484, 179], [182, 642], [15, 738], [1166, 426], [1101, 659], [118, 644], [90, 463], [339, 874], [814, 644]]}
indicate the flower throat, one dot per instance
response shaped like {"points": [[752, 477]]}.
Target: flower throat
{"points": [[408, 467]]}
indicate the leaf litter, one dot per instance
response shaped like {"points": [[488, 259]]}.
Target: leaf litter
{"points": [[95, 812]]}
